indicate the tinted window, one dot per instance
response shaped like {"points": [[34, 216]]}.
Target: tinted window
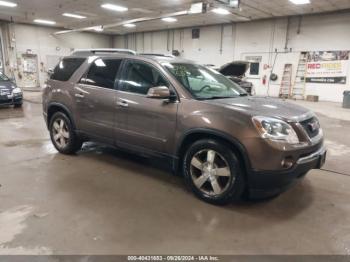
{"points": [[140, 77], [66, 68], [102, 73]]}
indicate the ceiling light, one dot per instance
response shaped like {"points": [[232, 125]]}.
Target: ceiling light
{"points": [[46, 22], [98, 28], [234, 3], [300, 2], [129, 25], [8, 4], [74, 15], [169, 19], [221, 11], [197, 8], [117, 8]]}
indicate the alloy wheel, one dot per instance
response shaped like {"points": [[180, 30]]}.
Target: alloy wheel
{"points": [[60, 133], [210, 172]]}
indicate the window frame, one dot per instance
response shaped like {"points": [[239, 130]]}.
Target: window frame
{"points": [[130, 60], [117, 76]]}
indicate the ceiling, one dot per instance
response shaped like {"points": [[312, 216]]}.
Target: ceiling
{"points": [[28, 10]]}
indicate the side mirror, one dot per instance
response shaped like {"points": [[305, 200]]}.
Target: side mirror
{"points": [[160, 92]]}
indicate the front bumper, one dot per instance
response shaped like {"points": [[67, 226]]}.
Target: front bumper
{"points": [[269, 183], [14, 100]]}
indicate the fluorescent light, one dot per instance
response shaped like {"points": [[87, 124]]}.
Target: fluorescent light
{"points": [[46, 22], [98, 28], [74, 15], [130, 25], [221, 11], [169, 19], [234, 3], [300, 2], [117, 8], [196, 8], [8, 4]]}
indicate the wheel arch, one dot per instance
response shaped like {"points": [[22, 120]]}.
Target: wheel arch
{"points": [[58, 107], [194, 135]]}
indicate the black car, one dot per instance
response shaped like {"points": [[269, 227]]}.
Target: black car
{"points": [[235, 71], [10, 94]]}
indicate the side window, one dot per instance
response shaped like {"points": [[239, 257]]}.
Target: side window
{"points": [[102, 73], [66, 68], [140, 77]]}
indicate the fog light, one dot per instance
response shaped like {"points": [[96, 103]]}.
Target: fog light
{"points": [[287, 162]]}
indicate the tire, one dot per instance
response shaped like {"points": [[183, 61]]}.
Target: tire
{"points": [[72, 143], [198, 166], [17, 105]]}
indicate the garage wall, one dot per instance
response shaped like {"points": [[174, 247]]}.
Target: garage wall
{"points": [[40, 41], [266, 39]]}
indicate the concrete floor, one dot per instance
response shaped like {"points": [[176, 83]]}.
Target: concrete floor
{"points": [[106, 202]]}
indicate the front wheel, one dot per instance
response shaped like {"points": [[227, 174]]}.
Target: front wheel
{"points": [[62, 134], [213, 172]]}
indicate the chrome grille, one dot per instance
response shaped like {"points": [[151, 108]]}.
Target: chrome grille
{"points": [[5, 92]]}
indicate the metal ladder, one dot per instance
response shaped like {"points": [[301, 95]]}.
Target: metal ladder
{"points": [[298, 90], [286, 81]]}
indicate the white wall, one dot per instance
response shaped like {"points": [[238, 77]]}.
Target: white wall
{"points": [[48, 47], [258, 38]]}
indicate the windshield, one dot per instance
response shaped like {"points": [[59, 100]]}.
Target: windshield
{"points": [[204, 83], [3, 77]]}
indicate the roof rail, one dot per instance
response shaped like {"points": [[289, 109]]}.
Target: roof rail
{"points": [[102, 51], [156, 54]]}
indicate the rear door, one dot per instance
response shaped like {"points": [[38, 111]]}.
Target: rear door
{"points": [[95, 96], [142, 122]]}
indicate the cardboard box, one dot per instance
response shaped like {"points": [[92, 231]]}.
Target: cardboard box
{"points": [[312, 98]]}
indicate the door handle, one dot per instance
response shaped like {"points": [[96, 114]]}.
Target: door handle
{"points": [[80, 95], [122, 103]]}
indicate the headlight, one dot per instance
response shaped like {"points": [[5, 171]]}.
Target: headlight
{"points": [[16, 90], [275, 129]]}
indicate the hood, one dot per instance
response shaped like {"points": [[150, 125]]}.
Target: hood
{"points": [[6, 85], [235, 68], [265, 106]]}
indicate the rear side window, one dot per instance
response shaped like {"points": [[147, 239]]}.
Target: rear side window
{"points": [[102, 73], [66, 68]]}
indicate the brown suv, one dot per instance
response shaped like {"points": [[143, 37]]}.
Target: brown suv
{"points": [[225, 142]]}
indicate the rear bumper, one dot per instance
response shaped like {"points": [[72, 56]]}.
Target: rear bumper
{"points": [[270, 183]]}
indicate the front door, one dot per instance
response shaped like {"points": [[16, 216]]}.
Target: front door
{"points": [[95, 96], [142, 122]]}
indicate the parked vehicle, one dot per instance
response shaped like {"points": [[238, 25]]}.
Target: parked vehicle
{"points": [[224, 142], [235, 71], [10, 94]]}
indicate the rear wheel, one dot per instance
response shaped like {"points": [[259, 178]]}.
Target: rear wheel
{"points": [[213, 172], [62, 134]]}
